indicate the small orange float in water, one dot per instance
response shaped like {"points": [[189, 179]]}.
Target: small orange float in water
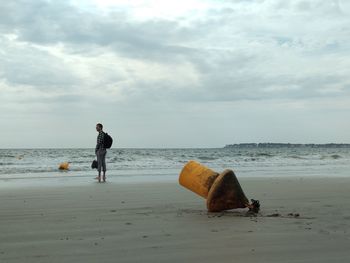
{"points": [[222, 191], [64, 166]]}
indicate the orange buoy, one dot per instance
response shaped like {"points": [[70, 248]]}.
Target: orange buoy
{"points": [[197, 178], [64, 166], [222, 191]]}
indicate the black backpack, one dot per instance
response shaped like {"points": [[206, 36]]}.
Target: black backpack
{"points": [[107, 141]]}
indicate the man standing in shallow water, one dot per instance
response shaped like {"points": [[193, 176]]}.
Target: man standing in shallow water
{"points": [[100, 152]]}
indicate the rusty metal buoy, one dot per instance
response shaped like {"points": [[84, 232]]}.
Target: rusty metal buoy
{"points": [[222, 191]]}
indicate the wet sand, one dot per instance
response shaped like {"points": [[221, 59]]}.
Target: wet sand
{"points": [[301, 220]]}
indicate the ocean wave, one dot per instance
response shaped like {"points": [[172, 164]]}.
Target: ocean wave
{"points": [[333, 156], [251, 159], [207, 158], [7, 156], [296, 157], [336, 156], [7, 163], [264, 155], [83, 161], [41, 161]]}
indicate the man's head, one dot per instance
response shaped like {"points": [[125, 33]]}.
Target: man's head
{"points": [[99, 127]]}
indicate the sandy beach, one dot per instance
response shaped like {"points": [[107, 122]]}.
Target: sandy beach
{"points": [[301, 220]]}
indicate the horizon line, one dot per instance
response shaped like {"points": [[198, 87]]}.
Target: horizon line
{"points": [[186, 147]]}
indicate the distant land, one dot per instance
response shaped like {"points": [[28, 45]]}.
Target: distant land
{"points": [[290, 145]]}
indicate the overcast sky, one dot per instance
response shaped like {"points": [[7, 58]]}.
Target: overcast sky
{"points": [[185, 73]]}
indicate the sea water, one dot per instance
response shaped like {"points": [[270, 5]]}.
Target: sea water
{"points": [[166, 164]]}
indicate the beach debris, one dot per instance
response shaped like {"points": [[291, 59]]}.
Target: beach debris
{"points": [[255, 206], [222, 191], [294, 215], [274, 215], [64, 166], [289, 215]]}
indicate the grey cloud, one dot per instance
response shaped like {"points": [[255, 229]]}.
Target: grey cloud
{"points": [[328, 8], [50, 23], [245, 82], [230, 76], [259, 87], [23, 65], [219, 47]]}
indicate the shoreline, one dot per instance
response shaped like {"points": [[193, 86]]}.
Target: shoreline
{"points": [[71, 177], [88, 180], [157, 222]]}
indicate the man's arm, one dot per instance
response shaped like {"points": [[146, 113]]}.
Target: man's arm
{"points": [[99, 141]]}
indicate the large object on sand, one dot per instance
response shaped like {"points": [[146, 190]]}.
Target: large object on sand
{"points": [[222, 191], [64, 166]]}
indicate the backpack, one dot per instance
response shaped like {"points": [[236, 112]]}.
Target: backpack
{"points": [[107, 141]]}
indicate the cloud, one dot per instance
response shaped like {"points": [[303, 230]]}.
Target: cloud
{"points": [[236, 50], [23, 64], [146, 63]]}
